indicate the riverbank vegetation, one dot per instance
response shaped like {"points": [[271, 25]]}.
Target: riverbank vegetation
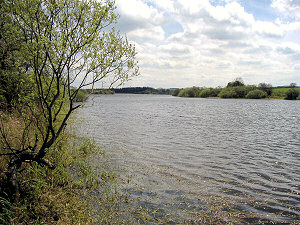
{"points": [[237, 89], [83, 93], [50, 51], [60, 195], [142, 90]]}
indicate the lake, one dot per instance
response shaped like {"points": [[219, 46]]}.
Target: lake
{"points": [[190, 157]]}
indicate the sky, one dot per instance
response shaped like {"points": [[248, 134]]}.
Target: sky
{"points": [[184, 43]]}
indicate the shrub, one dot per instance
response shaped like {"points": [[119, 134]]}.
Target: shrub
{"points": [[189, 92], [183, 93], [81, 96], [205, 93], [266, 88], [176, 92], [241, 91], [292, 94], [256, 94], [215, 92], [228, 93]]}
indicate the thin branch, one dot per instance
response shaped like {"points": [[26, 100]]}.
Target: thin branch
{"points": [[6, 154]]}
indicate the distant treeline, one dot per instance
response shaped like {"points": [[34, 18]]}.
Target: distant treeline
{"points": [[83, 93], [237, 89], [142, 90]]}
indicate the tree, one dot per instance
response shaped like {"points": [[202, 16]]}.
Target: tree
{"points": [[228, 93], [205, 93], [13, 81], [67, 43], [292, 93], [236, 82], [268, 88], [176, 92]]}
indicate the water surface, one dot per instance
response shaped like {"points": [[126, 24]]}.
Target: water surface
{"points": [[184, 155]]}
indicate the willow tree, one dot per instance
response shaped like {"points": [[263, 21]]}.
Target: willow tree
{"points": [[68, 43]]}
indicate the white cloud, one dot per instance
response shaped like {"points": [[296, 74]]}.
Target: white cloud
{"points": [[165, 4], [138, 10], [290, 8], [217, 43], [191, 6], [288, 48], [155, 33], [136, 14], [268, 29]]}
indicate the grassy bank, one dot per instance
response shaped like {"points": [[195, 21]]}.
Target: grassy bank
{"points": [[51, 197], [280, 93]]}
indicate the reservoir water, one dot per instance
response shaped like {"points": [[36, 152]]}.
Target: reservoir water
{"points": [[190, 157]]}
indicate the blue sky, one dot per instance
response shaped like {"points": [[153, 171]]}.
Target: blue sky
{"points": [[183, 43]]}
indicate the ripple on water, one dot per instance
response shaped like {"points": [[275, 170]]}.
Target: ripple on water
{"points": [[188, 153]]}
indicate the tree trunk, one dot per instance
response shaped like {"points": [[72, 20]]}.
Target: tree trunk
{"points": [[15, 164]]}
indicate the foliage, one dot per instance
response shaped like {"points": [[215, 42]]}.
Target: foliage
{"points": [[185, 93], [236, 82], [176, 92], [238, 92], [81, 96], [66, 195], [63, 43], [15, 83], [215, 91], [48, 197], [205, 93], [242, 91], [266, 88], [142, 90], [104, 92], [228, 93], [292, 94], [190, 92], [256, 94]]}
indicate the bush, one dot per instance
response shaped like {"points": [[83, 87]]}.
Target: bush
{"points": [[176, 92], [189, 92], [292, 94], [81, 96], [256, 94], [215, 92], [205, 93], [241, 91], [228, 93], [266, 88]]}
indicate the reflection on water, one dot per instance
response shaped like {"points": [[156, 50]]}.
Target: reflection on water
{"points": [[185, 155]]}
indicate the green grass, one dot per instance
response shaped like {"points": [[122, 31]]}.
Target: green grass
{"points": [[51, 197], [281, 92]]}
